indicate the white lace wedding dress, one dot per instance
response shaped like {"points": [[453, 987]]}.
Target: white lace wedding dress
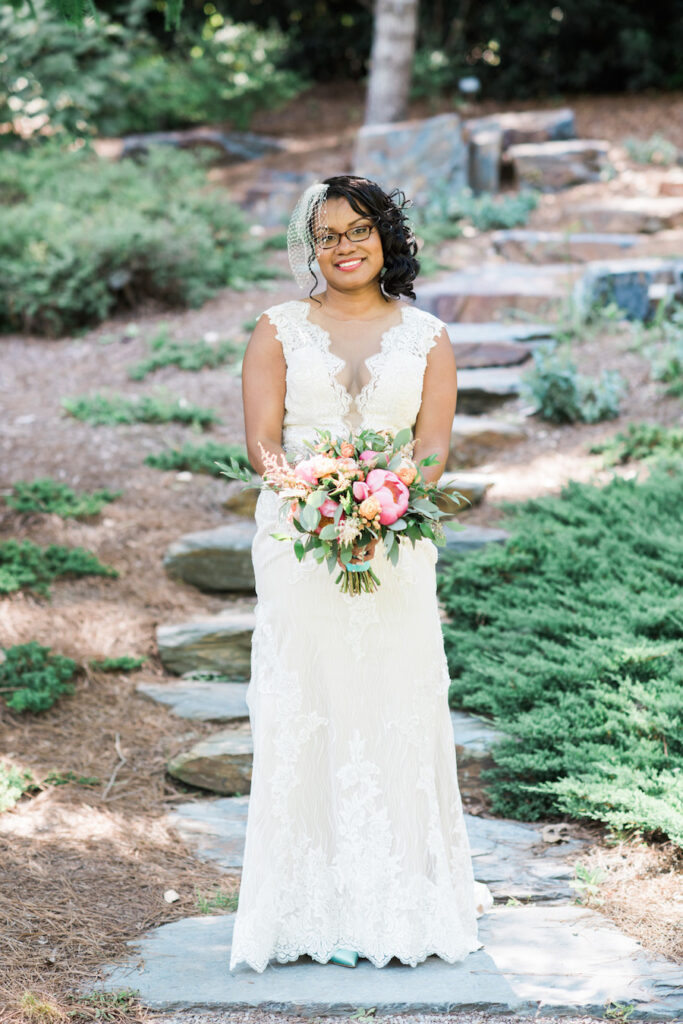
{"points": [[355, 831]]}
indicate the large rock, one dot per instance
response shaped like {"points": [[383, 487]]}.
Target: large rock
{"points": [[479, 391], [491, 290], [550, 166], [627, 214], [554, 246], [525, 126], [199, 699], [219, 643], [476, 439], [216, 559], [419, 157], [493, 331], [271, 198], [221, 763], [631, 284], [242, 500]]}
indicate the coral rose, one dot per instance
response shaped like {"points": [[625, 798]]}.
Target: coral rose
{"points": [[370, 507], [347, 449], [407, 472], [324, 466]]}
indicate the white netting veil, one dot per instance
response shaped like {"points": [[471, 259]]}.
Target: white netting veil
{"points": [[309, 215]]}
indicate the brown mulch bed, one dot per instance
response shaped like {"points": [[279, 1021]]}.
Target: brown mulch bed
{"points": [[91, 863]]}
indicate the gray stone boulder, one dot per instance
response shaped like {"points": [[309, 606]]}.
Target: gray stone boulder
{"points": [[525, 126], [493, 331], [550, 166], [219, 643], [634, 285], [242, 499], [475, 439], [221, 763], [419, 156], [217, 559], [472, 486], [271, 198], [471, 354]]}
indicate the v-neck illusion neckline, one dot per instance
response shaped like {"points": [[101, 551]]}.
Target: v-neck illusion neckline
{"points": [[336, 363]]}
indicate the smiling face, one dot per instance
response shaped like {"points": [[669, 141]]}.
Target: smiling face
{"points": [[350, 264]]}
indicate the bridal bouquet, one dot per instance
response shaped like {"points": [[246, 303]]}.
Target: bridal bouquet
{"points": [[351, 491]]}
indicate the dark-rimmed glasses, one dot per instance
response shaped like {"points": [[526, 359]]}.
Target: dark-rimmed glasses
{"points": [[333, 238]]}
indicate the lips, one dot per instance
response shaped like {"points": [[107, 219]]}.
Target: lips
{"points": [[349, 264]]}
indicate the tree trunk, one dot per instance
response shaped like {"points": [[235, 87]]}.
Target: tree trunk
{"points": [[391, 61]]}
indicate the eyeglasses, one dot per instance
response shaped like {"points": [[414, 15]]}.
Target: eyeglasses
{"points": [[332, 238]]}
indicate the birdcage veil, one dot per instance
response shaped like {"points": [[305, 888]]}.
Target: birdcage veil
{"points": [[309, 215]]}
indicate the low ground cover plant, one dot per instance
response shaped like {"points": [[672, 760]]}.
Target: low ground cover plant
{"points": [[25, 564], [122, 663], [34, 678], [655, 150], [47, 495], [100, 408], [563, 395], [185, 355], [68, 259], [570, 636], [641, 441], [199, 458]]}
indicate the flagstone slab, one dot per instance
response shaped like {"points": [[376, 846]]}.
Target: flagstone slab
{"points": [[476, 439], [492, 290], [561, 959], [472, 354], [545, 246], [205, 701], [518, 126], [494, 330], [558, 164], [480, 391], [221, 763], [218, 642], [647, 214], [510, 857], [471, 538]]}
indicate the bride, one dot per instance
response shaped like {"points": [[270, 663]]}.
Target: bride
{"points": [[356, 841]]}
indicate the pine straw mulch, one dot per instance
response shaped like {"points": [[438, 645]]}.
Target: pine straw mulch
{"points": [[85, 868]]}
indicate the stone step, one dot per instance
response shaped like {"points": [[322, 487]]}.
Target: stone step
{"points": [[476, 439], [634, 285], [469, 538], [215, 559], [512, 858], [472, 486], [518, 126], [544, 246], [551, 166], [469, 355], [202, 700], [493, 331], [492, 290], [557, 960], [480, 391], [627, 214], [221, 763], [220, 643]]}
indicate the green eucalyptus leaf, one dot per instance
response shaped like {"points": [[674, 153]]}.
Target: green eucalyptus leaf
{"points": [[402, 438], [298, 549], [400, 524]]}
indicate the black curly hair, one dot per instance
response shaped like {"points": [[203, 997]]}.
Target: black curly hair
{"points": [[398, 241]]}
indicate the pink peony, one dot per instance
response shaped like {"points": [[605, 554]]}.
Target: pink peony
{"points": [[360, 490], [392, 493], [328, 507], [306, 470], [368, 455]]}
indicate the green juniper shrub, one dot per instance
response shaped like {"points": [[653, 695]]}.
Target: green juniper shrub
{"points": [[47, 495], [161, 408], [186, 355], [570, 636], [562, 395], [35, 678], [641, 441], [199, 458], [68, 259], [668, 367], [25, 564], [123, 663]]}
